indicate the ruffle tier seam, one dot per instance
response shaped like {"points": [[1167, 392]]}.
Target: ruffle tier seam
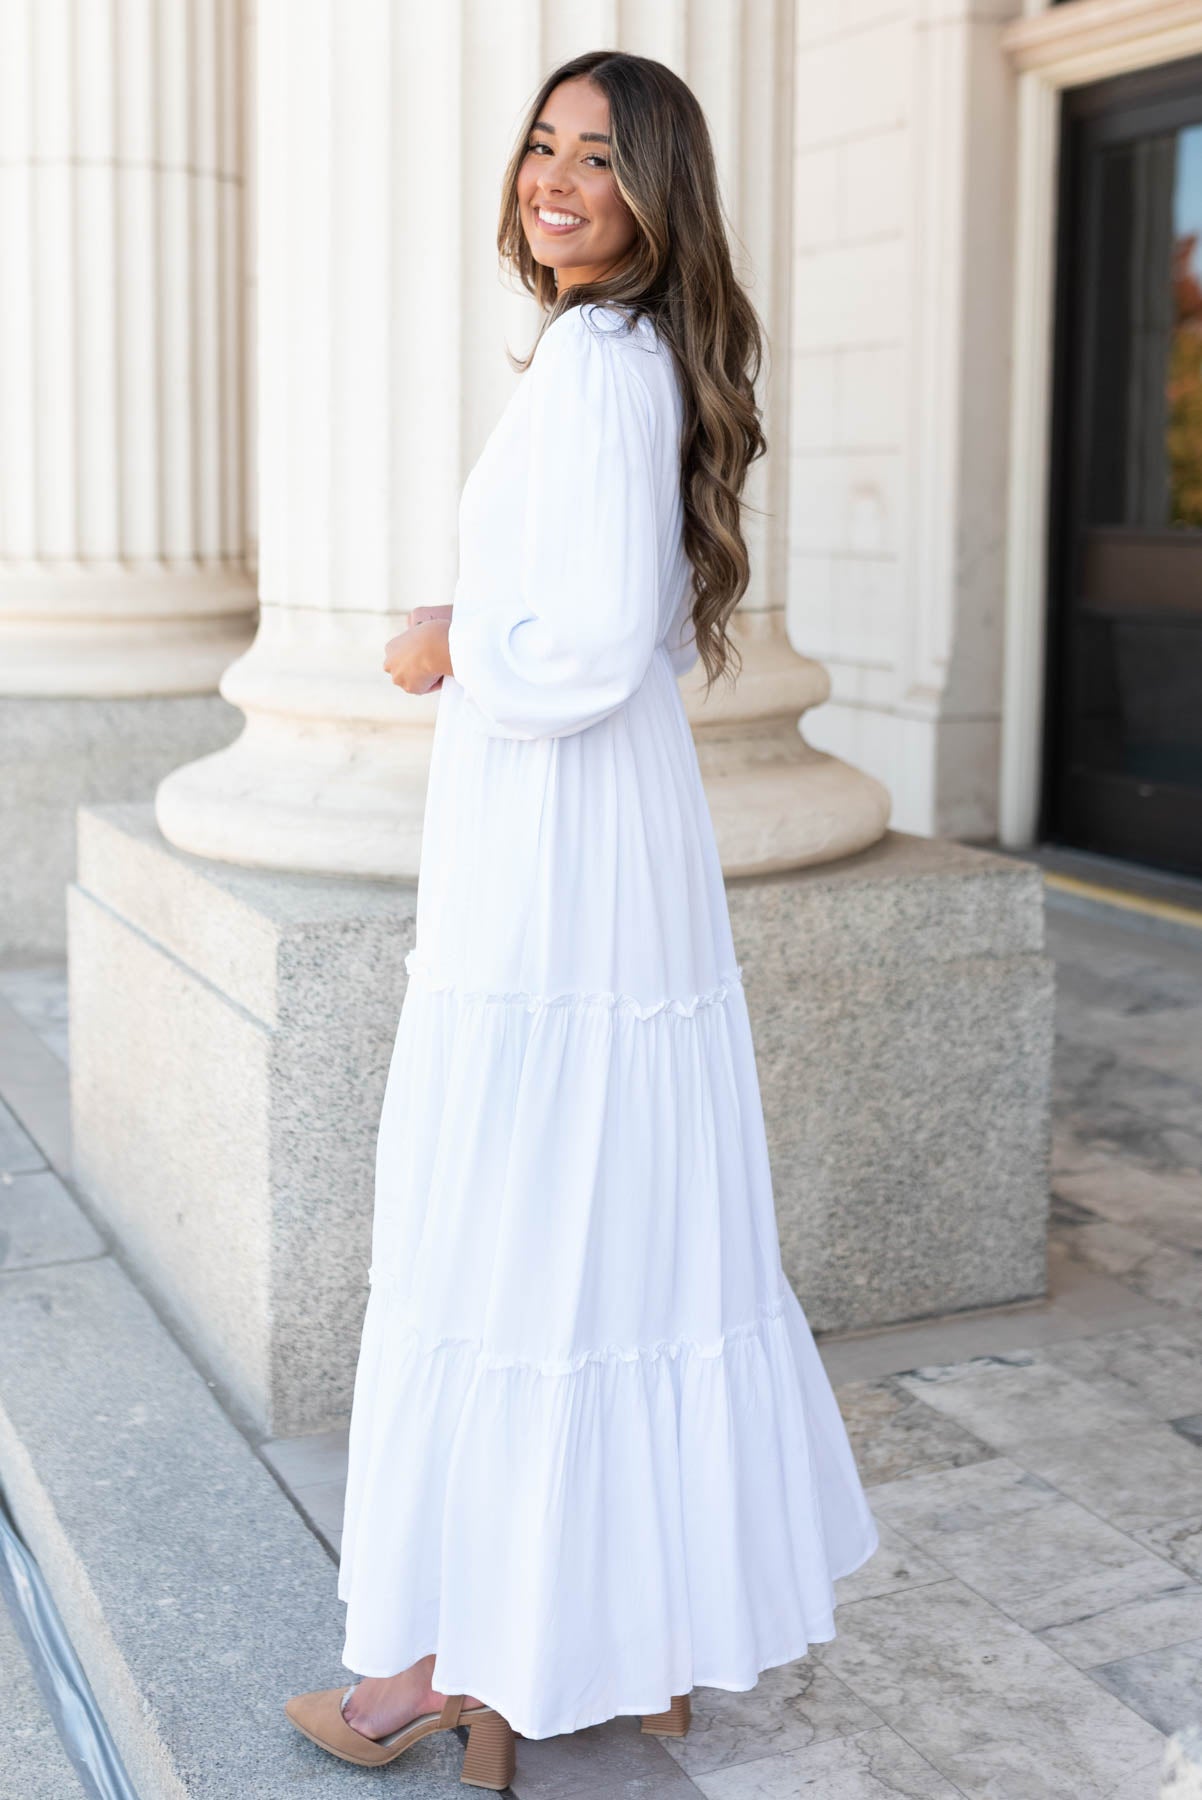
{"points": [[569, 997], [672, 1348]]}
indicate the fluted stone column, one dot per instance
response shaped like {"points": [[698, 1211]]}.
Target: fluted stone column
{"points": [[381, 368], [123, 589]]}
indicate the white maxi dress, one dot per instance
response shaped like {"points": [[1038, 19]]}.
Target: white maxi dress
{"points": [[595, 1459]]}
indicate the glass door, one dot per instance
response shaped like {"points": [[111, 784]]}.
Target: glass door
{"points": [[1124, 700]]}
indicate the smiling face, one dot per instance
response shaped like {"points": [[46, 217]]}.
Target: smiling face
{"points": [[574, 219]]}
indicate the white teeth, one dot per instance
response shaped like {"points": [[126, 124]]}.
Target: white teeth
{"points": [[559, 218]]}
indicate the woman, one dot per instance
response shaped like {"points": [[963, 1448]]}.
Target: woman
{"points": [[594, 1456]]}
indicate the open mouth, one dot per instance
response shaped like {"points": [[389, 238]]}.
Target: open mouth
{"points": [[556, 223]]}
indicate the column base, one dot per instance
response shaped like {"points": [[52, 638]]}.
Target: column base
{"points": [[116, 632], [330, 774]]}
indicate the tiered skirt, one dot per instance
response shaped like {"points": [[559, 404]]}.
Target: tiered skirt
{"points": [[595, 1459]]}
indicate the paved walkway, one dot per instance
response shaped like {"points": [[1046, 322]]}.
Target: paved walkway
{"points": [[1032, 1625]]}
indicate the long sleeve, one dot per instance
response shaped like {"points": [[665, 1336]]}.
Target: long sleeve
{"points": [[571, 635]]}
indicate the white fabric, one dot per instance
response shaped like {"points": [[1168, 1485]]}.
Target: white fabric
{"points": [[595, 1459]]}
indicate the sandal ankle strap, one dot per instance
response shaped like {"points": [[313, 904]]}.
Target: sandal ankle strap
{"points": [[452, 1706]]}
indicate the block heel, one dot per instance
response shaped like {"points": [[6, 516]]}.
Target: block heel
{"points": [[488, 1761], [673, 1723]]}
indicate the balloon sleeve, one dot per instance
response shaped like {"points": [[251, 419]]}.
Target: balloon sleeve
{"points": [[570, 634]]}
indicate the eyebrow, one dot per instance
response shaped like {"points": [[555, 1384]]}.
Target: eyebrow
{"points": [[586, 137]]}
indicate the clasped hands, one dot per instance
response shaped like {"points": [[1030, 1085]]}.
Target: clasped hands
{"points": [[419, 657]]}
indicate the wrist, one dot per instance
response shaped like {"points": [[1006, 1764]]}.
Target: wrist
{"points": [[441, 647]]}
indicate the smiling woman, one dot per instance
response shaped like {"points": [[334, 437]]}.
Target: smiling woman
{"points": [[576, 216], [594, 1455]]}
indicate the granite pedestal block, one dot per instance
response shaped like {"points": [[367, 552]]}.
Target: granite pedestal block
{"points": [[230, 1037], [230, 1033], [58, 753], [902, 1005]]}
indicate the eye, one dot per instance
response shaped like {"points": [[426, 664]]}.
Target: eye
{"points": [[593, 156]]}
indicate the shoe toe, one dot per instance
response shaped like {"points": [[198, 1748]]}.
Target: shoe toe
{"points": [[317, 1711]]}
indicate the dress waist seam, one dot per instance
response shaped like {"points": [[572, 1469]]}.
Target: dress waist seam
{"points": [[574, 997], [388, 1287]]}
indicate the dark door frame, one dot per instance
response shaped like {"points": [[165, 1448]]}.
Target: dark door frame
{"points": [[1111, 110]]}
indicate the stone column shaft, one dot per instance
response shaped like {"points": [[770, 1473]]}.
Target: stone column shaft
{"points": [[381, 326], [122, 364]]}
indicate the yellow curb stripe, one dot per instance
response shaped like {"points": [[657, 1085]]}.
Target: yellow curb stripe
{"points": [[1137, 903]]}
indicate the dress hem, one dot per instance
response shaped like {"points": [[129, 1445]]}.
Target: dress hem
{"points": [[824, 1633]]}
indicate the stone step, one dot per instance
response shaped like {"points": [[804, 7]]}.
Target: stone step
{"points": [[33, 1760], [195, 1595]]}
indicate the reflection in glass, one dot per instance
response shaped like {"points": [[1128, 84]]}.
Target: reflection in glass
{"points": [[1185, 355], [1145, 458]]}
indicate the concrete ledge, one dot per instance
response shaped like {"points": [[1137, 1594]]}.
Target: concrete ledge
{"points": [[194, 1594]]}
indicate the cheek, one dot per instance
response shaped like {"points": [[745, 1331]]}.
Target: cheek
{"points": [[614, 217]]}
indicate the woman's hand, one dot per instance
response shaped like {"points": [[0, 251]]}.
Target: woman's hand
{"points": [[417, 659]]}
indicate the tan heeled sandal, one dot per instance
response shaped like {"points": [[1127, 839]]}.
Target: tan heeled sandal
{"points": [[488, 1760], [673, 1723]]}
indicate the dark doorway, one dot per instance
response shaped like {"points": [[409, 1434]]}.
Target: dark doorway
{"points": [[1124, 697]]}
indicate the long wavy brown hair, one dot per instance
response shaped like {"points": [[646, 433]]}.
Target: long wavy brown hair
{"points": [[679, 273]]}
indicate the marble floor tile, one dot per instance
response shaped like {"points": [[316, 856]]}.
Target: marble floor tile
{"points": [[1081, 1298], [962, 1503], [1167, 1207], [1090, 1298], [1180, 1540], [873, 1765], [1143, 1116], [1063, 1212], [1010, 1398], [1135, 1477], [670, 1783], [1167, 1042], [1112, 1623], [1169, 1276], [40, 1223], [1073, 1149], [995, 1710], [615, 1761], [1173, 1277], [894, 1434], [1157, 1367], [790, 1707], [1164, 1686], [1114, 966], [897, 1563], [1089, 1591]]}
